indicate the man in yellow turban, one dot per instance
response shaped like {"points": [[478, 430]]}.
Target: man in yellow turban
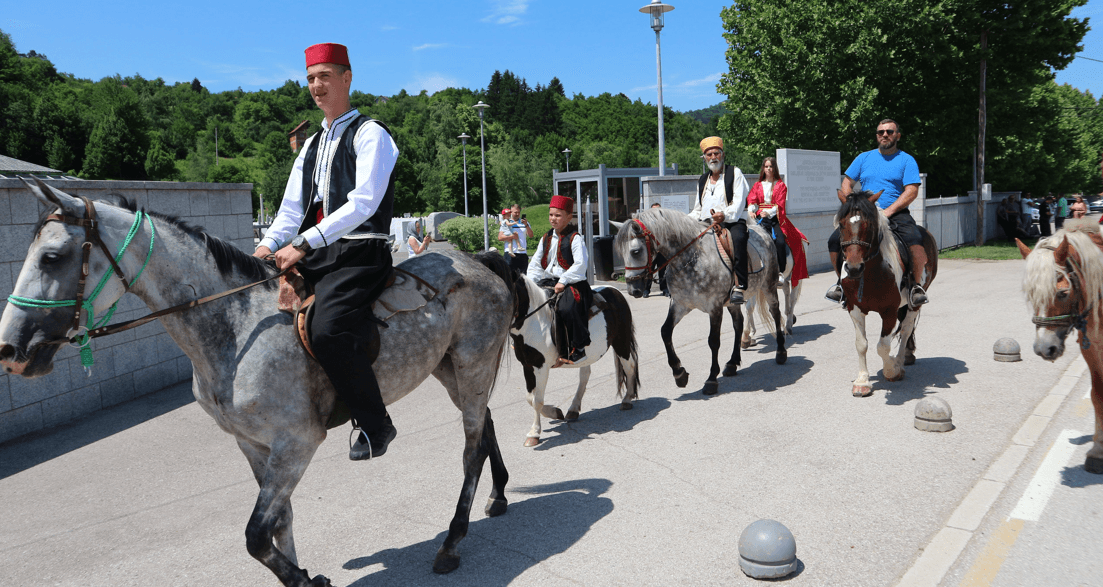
{"points": [[722, 197]]}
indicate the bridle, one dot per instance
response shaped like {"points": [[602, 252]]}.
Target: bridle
{"points": [[1074, 319], [652, 244], [872, 248]]}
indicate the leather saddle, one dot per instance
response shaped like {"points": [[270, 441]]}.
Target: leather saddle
{"points": [[725, 246]]}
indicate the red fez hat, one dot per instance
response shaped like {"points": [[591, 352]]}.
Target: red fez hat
{"points": [[563, 203], [327, 53]]}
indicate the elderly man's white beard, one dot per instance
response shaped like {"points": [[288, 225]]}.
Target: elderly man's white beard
{"points": [[715, 166]]}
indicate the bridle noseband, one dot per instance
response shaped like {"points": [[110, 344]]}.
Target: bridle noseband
{"points": [[652, 246], [1077, 320]]}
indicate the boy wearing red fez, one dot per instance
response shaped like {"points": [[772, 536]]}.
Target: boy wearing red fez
{"points": [[560, 263], [333, 223]]}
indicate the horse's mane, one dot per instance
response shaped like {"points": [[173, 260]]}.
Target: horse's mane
{"points": [[1040, 279], [227, 257], [859, 203], [668, 226]]}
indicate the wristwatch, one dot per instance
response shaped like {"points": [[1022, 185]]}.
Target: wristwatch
{"points": [[299, 244]]}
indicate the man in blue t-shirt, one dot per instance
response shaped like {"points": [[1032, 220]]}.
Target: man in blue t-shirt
{"points": [[895, 174]]}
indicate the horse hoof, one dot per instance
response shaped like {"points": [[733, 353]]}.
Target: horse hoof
{"points": [[571, 416], [626, 406], [711, 387], [445, 563], [320, 581], [746, 344], [862, 391], [1094, 465], [496, 507], [531, 442], [681, 379], [909, 360], [559, 414], [899, 377], [730, 370], [781, 357]]}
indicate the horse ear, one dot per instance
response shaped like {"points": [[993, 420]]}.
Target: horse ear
{"points": [[618, 225], [1062, 253], [876, 196], [1023, 249], [54, 197], [842, 196]]}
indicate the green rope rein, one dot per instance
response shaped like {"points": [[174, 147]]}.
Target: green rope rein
{"points": [[86, 359]]}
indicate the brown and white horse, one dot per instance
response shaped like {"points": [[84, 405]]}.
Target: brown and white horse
{"points": [[1064, 285], [873, 281]]}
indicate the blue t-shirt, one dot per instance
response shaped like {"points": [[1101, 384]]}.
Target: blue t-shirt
{"points": [[890, 173]]}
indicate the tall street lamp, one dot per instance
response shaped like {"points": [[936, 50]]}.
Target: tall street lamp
{"points": [[482, 146], [656, 10], [567, 152], [464, 138]]}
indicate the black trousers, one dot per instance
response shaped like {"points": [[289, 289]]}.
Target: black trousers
{"points": [[773, 227], [739, 250], [348, 276], [660, 260], [573, 311], [518, 261]]}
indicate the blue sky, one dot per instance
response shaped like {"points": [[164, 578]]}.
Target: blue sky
{"points": [[593, 47]]}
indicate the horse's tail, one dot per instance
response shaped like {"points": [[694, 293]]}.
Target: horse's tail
{"points": [[497, 265], [624, 344]]}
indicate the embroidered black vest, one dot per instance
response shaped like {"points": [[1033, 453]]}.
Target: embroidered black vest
{"points": [[342, 180], [729, 183], [563, 256]]}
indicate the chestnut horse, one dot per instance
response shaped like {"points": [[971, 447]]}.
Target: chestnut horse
{"points": [[1064, 285], [874, 280]]}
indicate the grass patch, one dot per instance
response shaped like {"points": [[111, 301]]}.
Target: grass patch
{"points": [[1000, 250]]}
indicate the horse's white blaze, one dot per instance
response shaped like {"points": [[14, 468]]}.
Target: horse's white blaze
{"points": [[855, 219]]}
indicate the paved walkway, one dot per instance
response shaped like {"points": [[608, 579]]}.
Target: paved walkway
{"points": [[152, 492]]}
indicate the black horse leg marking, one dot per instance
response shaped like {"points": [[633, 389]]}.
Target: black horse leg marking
{"points": [[681, 376], [447, 559], [496, 505], [715, 320], [732, 367], [775, 310]]}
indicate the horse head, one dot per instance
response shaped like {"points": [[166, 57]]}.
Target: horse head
{"points": [[43, 308], [636, 246], [1056, 287], [859, 225]]}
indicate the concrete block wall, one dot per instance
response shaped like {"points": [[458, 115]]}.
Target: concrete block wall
{"points": [[129, 364]]}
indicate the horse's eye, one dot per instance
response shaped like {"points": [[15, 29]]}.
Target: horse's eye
{"points": [[635, 251], [1062, 294], [50, 258]]}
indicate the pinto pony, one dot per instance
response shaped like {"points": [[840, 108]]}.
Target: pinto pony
{"points": [[534, 344], [1064, 285], [874, 280]]}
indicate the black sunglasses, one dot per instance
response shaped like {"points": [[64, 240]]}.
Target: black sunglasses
{"points": [[887, 131]]}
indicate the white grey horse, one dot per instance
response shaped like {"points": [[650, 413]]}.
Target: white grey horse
{"points": [[791, 293], [698, 279], [250, 373], [534, 344]]}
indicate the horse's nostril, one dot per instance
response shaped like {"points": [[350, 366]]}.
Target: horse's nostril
{"points": [[7, 351]]}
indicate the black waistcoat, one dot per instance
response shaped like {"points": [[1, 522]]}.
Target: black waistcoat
{"points": [[342, 180], [563, 256], [729, 183]]}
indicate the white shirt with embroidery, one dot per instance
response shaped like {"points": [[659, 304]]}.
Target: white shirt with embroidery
{"points": [[376, 155], [574, 274], [714, 198]]}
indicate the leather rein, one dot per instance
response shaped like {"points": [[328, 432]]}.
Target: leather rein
{"points": [[1077, 320], [652, 245]]}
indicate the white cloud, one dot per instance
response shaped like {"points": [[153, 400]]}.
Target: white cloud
{"points": [[432, 83], [388, 27], [507, 11], [708, 79], [430, 46], [247, 75]]}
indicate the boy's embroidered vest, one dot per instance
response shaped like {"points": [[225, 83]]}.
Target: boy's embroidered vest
{"points": [[563, 256]]}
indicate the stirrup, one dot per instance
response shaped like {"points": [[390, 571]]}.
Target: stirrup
{"points": [[917, 297], [835, 294], [735, 298]]}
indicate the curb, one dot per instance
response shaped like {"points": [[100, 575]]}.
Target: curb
{"points": [[949, 542]]}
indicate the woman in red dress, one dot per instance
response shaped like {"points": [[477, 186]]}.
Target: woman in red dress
{"points": [[766, 202]]}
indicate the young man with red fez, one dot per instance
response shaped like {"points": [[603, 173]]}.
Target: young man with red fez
{"points": [[333, 223], [721, 197], [560, 263]]}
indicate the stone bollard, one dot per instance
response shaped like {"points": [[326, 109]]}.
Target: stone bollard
{"points": [[1007, 350], [767, 550], [932, 414]]}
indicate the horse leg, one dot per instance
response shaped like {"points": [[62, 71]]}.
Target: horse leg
{"points": [[732, 367], [1094, 461], [628, 375], [862, 387], [496, 504], [748, 331], [281, 533], [715, 321], [576, 405], [283, 468], [781, 355], [535, 398], [674, 315], [893, 368]]}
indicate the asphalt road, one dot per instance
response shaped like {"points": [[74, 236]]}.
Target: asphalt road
{"points": [[152, 492]]}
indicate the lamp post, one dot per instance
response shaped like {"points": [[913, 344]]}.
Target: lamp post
{"points": [[656, 10], [464, 138], [567, 152], [482, 146]]}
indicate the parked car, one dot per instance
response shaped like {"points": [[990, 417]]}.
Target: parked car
{"points": [[1095, 206]]}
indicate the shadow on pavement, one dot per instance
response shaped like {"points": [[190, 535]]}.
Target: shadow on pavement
{"points": [[801, 333], [925, 374], [498, 550], [764, 374], [1076, 476], [39, 447], [607, 419]]}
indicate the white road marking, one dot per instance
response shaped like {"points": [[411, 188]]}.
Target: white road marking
{"points": [[1045, 480]]}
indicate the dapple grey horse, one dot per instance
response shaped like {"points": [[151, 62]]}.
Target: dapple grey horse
{"points": [[698, 279], [791, 293], [534, 345], [250, 373]]}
